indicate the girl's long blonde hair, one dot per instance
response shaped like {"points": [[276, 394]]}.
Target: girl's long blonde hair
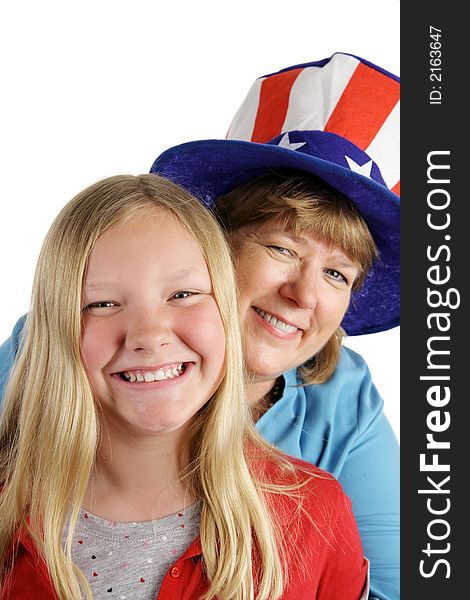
{"points": [[304, 203], [49, 427]]}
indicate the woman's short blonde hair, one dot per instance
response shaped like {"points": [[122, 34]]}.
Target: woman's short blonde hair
{"points": [[300, 202]]}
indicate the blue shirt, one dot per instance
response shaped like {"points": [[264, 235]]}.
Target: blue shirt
{"points": [[339, 426]]}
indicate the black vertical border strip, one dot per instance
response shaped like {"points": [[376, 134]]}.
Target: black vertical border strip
{"points": [[427, 128]]}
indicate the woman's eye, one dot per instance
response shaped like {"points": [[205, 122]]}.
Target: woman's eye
{"points": [[100, 304], [336, 275], [281, 250]]}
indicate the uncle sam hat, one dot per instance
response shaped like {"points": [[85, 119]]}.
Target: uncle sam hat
{"points": [[337, 118]]}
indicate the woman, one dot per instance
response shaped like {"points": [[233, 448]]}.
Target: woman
{"points": [[126, 432], [337, 120]]}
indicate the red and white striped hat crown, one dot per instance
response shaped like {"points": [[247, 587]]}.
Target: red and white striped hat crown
{"points": [[343, 94]]}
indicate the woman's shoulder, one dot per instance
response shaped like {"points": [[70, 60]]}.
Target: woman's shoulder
{"points": [[351, 369], [349, 392]]}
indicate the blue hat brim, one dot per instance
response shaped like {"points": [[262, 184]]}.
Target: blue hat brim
{"points": [[211, 168]]}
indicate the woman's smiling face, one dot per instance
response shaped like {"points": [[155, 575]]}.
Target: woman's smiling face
{"points": [[294, 292], [153, 341]]}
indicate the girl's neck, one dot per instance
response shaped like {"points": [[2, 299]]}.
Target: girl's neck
{"points": [[137, 479]]}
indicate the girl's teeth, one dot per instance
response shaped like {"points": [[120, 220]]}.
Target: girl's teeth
{"points": [[149, 376]]}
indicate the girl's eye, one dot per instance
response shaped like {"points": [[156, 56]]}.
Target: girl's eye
{"points": [[100, 304], [183, 294], [336, 275]]}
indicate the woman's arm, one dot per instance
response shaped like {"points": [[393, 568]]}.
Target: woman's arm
{"points": [[370, 476], [346, 572], [340, 426], [326, 558], [8, 351]]}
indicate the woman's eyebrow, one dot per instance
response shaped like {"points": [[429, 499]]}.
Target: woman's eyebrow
{"points": [[340, 259], [282, 233], [345, 263]]}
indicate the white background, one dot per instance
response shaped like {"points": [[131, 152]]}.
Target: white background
{"points": [[95, 88]]}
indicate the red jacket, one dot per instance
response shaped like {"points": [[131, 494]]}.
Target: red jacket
{"points": [[325, 557]]}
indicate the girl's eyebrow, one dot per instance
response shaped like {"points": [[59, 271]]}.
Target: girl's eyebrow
{"points": [[98, 286], [177, 275], [188, 271]]}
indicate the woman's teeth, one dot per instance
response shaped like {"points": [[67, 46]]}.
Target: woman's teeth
{"points": [[276, 322], [169, 372]]}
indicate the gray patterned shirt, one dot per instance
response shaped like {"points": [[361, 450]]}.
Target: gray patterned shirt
{"points": [[127, 561]]}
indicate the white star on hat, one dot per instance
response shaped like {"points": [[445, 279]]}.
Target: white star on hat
{"points": [[364, 169], [285, 142]]}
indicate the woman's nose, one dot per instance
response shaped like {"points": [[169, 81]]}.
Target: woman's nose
{"points": [[301, 288]]}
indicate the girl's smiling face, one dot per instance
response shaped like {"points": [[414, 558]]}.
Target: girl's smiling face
{"points": [[294, 292], [153, 341]]}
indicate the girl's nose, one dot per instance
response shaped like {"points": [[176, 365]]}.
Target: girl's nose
{"points": [[147, 331]]}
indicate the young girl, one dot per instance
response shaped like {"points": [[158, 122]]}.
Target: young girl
{"points": [[129, 465]]}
